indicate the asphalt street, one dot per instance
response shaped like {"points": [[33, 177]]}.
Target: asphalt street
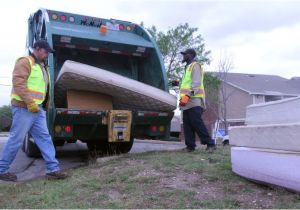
{"points": [[73, 156]]}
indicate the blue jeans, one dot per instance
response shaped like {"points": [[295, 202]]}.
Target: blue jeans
{"points": [[35, 124], [193, 123]]}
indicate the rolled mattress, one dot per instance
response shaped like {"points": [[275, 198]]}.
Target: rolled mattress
{"points": [[126, 93]]}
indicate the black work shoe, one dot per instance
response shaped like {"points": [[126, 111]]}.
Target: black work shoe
{"points": [[8, 177], [57, 175], [189, 149], [211, 148]]}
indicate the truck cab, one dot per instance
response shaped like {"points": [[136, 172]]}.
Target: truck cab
{"points": [[118, 46]]}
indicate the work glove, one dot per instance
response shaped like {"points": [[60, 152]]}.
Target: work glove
{"points": [[33, 107], [184, 100]]}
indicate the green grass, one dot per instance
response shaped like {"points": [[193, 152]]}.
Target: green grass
{"points": [[150, 180]]}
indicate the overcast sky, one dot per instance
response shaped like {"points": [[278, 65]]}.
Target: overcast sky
{"points": [[261, 36]]}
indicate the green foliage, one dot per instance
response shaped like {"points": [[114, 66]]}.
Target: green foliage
{"points": [[175, 40], [5, 118], [212, 86]]}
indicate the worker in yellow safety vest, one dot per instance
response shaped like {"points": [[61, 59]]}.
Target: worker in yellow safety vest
{"points": [[31, 84], [192, 103]]}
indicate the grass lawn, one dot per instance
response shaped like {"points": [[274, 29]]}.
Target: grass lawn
{"points": [[173, 179]]}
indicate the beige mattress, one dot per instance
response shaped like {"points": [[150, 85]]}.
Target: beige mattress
{"points": [[126, 93]]}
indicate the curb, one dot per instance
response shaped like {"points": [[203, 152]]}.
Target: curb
{"points": [[157, 141]]}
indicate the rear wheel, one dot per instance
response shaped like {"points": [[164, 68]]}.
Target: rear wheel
{"points": [[98, 147], [30, 148], [121, 147], [103, 147]]}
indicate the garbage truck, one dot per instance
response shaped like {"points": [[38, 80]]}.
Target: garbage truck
{"points": [[121, 47]]}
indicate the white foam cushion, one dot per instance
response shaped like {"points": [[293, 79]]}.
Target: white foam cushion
{"points": [[276, 112], [269, 166], [276, 136]]}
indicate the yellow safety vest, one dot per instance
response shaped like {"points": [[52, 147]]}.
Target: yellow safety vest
{"points": [[35, 84], [186, 83]]}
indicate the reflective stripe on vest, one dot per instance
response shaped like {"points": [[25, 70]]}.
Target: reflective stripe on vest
{"points": [[186, 83], [35, 84]]}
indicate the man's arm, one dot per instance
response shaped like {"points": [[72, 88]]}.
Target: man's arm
{"points": [[196, 79], [20, 76]]}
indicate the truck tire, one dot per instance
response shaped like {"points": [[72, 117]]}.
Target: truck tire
{"points": [[30, 148], [103, 148], [98, 147], [121, 147]]}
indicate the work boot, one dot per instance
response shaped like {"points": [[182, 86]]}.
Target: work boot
{"points": [[57, 175], [210, 148], [8, 177]]}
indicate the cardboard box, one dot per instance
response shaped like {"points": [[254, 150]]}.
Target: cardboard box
{"points": [[77, 99]]}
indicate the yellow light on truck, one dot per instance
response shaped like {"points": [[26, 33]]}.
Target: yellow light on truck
{"points": [[57, 129], [54, 16], [128, 28], [161, 128]]}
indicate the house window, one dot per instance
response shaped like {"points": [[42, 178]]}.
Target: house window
{"points": [[272, 98]]}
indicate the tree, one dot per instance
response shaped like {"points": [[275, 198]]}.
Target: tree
{"points": [[5, 118], [176, 40], [225, 64]]}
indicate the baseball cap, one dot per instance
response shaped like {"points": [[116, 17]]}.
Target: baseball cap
{"points": [[43, 44], [189, 51]]}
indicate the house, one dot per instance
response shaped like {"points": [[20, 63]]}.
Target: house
{"points": [[242, 90]]}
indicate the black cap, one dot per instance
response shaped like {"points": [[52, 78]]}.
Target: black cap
{"points": [[189, 51], [43, 44]]}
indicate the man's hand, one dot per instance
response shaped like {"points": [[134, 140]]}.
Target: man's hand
{"points": [[33, 107], [184, 100]]}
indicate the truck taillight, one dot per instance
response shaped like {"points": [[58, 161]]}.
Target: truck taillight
{"points": [[153, 128], [68, 128], [71, 19], [121, 27], [63, 18]]}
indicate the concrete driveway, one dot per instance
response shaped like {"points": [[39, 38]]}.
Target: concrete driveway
{"points": [[74, 155]]}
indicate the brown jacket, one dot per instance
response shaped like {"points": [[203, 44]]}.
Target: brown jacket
{"points": [[21, 74]]}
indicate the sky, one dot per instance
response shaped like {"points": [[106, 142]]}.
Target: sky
{"points": [[259, 36]]}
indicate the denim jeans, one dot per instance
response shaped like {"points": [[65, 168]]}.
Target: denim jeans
{"points": [[35, 124], [193, 123]]}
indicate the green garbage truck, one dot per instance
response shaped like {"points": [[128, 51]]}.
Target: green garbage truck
{"points": [[117, 46]]}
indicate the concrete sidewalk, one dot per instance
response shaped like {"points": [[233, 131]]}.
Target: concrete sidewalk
{"points": [[4, 134]]}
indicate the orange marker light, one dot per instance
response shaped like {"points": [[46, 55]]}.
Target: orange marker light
{"points": [[103, 29]]}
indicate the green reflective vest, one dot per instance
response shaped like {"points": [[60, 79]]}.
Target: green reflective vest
{"points": [[35, 84], [186, 83]]}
